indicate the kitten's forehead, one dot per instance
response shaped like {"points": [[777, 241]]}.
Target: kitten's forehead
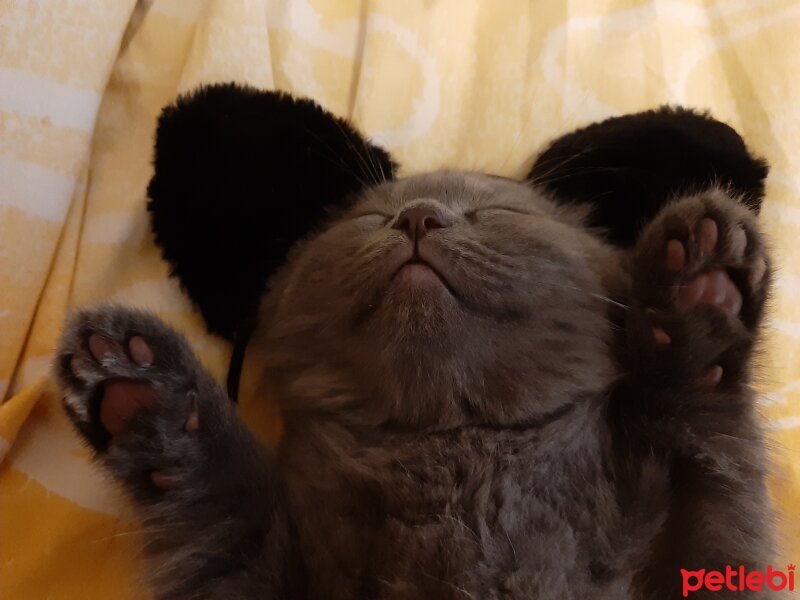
{"points": [[455, 189]]}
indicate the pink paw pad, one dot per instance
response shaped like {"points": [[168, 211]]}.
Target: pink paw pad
{"points": [[124, 398], [710, 378], [711, 288], [714, 287]]}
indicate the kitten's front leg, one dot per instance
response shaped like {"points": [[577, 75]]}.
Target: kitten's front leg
{"points": [[205, 489], [700, 281], [700, 276]]}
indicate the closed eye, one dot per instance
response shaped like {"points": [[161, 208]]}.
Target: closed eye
{"points": [[377, 219], [472, 215]]}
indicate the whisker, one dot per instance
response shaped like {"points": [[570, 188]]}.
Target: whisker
{"points": [[558, 165], [610, 301], [364, 160], [578, 171], [336, 160]]}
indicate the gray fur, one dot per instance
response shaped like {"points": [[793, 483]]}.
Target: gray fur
{"points": [[517, 435]]}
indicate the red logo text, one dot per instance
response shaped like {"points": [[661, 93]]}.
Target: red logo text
{"points": [[738, 580]]}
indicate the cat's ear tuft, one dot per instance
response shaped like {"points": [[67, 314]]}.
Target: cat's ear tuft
{"points": [[240, 176], [626, 168]]}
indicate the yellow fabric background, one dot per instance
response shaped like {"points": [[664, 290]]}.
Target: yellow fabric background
{"points": [[476, 84]]}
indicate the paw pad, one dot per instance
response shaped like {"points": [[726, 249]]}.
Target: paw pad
{"points": [[701, 259], [116, 364]]}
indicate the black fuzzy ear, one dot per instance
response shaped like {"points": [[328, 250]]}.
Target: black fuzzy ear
{"points": [[240, 176], [628, 167]]}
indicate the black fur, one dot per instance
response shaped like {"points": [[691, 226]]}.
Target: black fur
{"points": [[629, 167], [240, 176]]}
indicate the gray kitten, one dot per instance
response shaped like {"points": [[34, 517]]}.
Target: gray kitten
{"points": [[481, 398]]}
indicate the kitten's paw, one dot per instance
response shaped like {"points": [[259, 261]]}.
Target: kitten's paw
{"points": [[702, 262], [703, 251], [131, 387]]}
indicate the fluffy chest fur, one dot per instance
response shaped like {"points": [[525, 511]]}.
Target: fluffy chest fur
{"points": [[473, 511]]}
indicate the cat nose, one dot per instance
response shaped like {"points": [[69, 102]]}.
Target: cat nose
{"points": [[419, 220]]}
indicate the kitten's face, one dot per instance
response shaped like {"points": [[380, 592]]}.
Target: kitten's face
{"points": [[442, 299]]}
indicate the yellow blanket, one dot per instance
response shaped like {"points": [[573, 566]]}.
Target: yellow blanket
{"points": [[464, 83]]}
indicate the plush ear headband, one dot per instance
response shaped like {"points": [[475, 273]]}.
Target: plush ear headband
{"points": [[628, 167], [241, 175]]}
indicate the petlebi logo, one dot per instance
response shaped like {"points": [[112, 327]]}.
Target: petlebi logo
{"points": [[738, 580]]}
